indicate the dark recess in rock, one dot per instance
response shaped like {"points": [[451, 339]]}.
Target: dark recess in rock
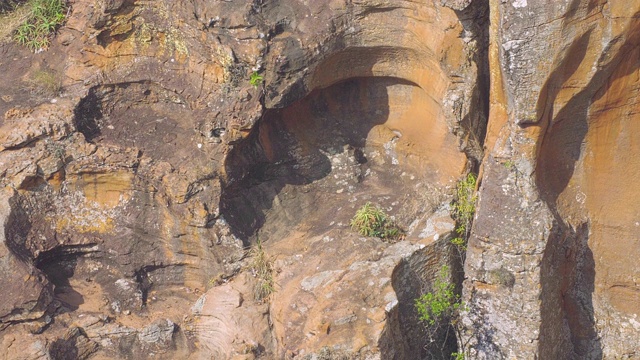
{"points": [[279, 152]]}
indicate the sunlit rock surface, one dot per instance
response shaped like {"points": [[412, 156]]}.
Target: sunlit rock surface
{"points": [[136, 193]]}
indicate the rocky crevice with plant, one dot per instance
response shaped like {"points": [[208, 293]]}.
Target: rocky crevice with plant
{"points": [[296, 180]]}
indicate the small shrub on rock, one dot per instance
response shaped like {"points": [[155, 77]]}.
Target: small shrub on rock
{"points": [[442, 303], [371, 221], [464, 208]]}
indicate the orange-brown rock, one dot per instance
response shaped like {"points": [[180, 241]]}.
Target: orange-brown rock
{"points": [[132, 197], [556, 207], [139, 186]]}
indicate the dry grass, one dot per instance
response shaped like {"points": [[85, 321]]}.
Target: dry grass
{"points": [[45, 83], [10, 21], [262, 269]]}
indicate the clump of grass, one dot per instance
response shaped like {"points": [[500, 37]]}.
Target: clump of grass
{"points": [[371, 221], [45, 82], [464, 208], [44, 17], [262, 269]]}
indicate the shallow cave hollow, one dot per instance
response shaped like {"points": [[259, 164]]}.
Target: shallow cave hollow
{"points": [[372, 138]]}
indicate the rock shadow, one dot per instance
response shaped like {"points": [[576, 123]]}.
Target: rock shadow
{"points": [[568, 327], [293, 146], [404, 336], [59, 266], [87, 115], [568, 266]]}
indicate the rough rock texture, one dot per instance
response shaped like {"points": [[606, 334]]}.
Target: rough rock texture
{"points": [[557, 208], [132, 195]]}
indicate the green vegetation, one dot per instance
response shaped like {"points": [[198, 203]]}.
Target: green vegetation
{"points": [[371, 221], [262, 269], [44, 17], [464, 207], [256, 79], [441, 303], [439, 310]]}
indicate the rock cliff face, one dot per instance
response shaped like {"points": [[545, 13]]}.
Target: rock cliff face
{"points": [[556, 207], [141, 190]]}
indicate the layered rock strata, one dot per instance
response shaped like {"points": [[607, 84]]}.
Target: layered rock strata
{"points": [[133, 192]]}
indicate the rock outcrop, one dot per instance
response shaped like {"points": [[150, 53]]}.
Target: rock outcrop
{"points": [[132, 195], [556, 208], [143, 173]]}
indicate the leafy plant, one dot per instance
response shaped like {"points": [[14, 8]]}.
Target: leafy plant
{"points": [[371, 221], [441, 303], [256, 79], [45, 16], [262, 269], [464, 208], [439, 310]]}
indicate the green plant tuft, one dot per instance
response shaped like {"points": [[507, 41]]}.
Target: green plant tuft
{"points": [[45, 16], [256, 79], [439, 311], [464, 207], [371, 221]]}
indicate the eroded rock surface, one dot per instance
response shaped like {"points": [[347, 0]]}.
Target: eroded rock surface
{"points": [[556, 208], [132, 195]]}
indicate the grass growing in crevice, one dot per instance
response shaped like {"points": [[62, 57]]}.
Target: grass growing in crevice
{"points": [[261, 268], [42, 19], [464, 208], [371, 221]]}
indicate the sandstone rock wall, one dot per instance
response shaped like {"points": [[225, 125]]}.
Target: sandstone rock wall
{"points": [[133, 194], [555, 205], [143, 183]]}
